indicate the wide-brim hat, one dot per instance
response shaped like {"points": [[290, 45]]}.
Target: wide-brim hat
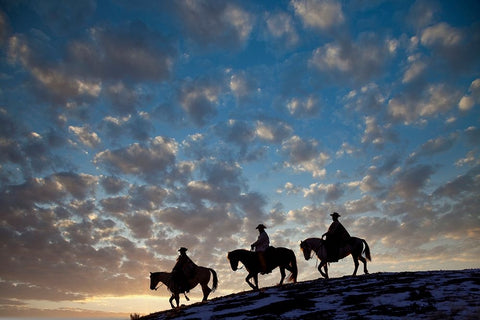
{"points": [[335, 214], [261, 227], [182, 249]]}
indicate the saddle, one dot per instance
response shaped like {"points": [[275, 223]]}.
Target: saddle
{"points": [[268, 255], [333, 250]]}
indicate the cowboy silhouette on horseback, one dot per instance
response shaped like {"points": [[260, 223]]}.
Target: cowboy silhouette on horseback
{"points": [[336, 237], [260, 247], [183, 270], [185, 275]]}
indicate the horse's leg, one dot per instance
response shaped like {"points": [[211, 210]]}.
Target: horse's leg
{"points": [[355, 261], [282, 273], [255, 279], [206, 291], [171, 299], [323, 264], [247, 279], [364, 264]]}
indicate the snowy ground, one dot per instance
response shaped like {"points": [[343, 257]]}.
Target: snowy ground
{"points": [[406, 295]]}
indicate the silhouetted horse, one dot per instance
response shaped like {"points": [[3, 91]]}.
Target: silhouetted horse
{"points": [[354, 247], [201, 276], [275, 257]]}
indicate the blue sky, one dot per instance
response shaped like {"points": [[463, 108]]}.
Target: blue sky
{"points": [[130, 129]]}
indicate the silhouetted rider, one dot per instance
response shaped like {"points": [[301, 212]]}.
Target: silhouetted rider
{"points": [[183, 270], [337, 237], [260, 246]]}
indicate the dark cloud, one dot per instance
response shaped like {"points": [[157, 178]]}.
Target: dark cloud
{"points": [[147, 197], [462, 186], [199, 101], [63, 18], [112, 184], [410, 182], [128, 52], [240, 133], [215, 22], [150, 160], [451, 46], [434, 146]]}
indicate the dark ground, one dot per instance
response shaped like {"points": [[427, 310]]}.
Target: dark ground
{"points": [[405, 295]]}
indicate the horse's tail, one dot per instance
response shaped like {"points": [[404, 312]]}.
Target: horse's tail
{"points": [[367, 250], [293, 264], [215, 279]]}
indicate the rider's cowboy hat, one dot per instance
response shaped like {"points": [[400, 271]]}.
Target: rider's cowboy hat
{"points": [[260, 227], [335, 215], [182, 249]]}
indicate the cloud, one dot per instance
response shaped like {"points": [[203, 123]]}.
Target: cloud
{"points": [[473, 98], [347, 60], [414, 71], [374, 133], [422, 13], [303, 155], [199, 100], [241, 133], [451, 46], [54, 83], [131, 52], [410, 181], [137, 126], [441, 35], [281, 28], [128, 52], [273, 131], [433, 147], [307, 107], [243, 86], [215, 22], [365, 204], [150, 160], [462, 186], [319, 14], [433, 100], [85, 136], [65, 19], [330, 192], [147, 197]]}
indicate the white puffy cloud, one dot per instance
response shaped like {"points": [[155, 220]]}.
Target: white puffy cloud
{"points": [[434, 100], [319, 14], [441, 34], [303, 107], [86, 136], [348, 60]]}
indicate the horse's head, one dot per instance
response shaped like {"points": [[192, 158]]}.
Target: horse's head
{"points": [[233, 261], [306, 249], [153, 281]]}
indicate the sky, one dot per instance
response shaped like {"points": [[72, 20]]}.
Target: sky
{"points": [[129, 129]]}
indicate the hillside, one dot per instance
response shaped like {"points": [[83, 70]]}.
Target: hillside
{"points": [[411, 295]]}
